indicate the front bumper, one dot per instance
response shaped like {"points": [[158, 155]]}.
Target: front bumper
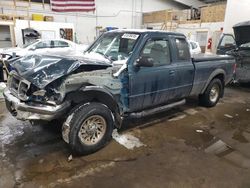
{"points": [[33, 111]]}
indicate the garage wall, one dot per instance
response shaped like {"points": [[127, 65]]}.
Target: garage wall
{"points": [[7, 32], [235, 15], [117, 13], [199, 32], [202, 32], [42, 27], [5, 38]]}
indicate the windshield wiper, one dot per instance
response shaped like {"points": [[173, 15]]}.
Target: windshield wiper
{"points": [[104, 55]]}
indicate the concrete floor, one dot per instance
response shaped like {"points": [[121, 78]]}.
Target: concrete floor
{"points": [[190, 146]]}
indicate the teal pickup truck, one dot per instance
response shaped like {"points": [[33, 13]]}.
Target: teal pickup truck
{"points": [[124, 73]]}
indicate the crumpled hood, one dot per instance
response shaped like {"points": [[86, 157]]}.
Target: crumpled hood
{"points": [[41, 70], [241, 33], [11, 50]]}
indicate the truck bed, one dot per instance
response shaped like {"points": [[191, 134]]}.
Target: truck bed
{"points": [[207, 66], [210, 57]]}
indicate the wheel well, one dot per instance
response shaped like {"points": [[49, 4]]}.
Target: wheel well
{"points": [[221, 77], [105, 99], [78, 97]]}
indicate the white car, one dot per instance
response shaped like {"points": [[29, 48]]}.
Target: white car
{"points": [[40, 46], [194, 47]]}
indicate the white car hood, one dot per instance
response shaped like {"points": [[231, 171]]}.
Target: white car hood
{"points": [[10, 51]]}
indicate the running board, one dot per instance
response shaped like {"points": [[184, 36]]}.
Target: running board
{"points": [[157, 110]]}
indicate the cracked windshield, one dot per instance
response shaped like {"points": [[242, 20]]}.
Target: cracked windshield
{"points": [[114, 46]]}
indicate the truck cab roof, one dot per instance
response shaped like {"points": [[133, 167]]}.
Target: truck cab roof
{"points": [[147, 31]]}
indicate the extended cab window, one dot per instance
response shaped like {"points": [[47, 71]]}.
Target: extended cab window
{"points": [[182, 49], [158, 50]]}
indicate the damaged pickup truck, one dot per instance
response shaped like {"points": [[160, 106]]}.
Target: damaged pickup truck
{"points": [[239, 47], [124, 73]]}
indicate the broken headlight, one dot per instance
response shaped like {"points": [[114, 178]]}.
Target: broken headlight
{"points": [[56, 97], [40, 93]]}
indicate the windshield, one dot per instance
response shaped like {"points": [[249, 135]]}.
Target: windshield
{"points": [[30, 43], [115, 46]]}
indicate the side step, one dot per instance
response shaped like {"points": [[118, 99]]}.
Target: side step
{"points": [[157, 110]]}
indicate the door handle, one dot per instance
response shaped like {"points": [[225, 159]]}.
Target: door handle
{"points": [[172, 72]]}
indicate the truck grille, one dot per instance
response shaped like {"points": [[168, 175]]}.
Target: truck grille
{"points": [[18, 87]]}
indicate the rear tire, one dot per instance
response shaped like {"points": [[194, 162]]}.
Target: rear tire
{"points": [[91, 128], [212, 93]]}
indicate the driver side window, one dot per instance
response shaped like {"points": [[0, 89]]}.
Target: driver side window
{"points": [[158, 50]]}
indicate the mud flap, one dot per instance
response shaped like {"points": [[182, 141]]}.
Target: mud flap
{"points": [[66, 128]]}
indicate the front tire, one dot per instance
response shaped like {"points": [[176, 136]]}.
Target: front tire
{"points": [[212, 93], [91, 128]]}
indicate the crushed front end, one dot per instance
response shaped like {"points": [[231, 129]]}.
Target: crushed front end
{"points": [[18, 102], [31, 92]]}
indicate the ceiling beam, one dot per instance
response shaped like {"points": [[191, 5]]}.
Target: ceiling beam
{"points": [[191, 3]]}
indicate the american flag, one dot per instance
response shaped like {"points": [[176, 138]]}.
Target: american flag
{"points": [[72, 5]]}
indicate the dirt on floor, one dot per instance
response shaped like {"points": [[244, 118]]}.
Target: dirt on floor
{"points": [[190, 146]]}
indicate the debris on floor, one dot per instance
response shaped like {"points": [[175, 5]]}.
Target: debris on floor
{"points": [[221, 149], [217, 147], [70, 158], [127, 140], [178, 117], [191, 111], [229, 116], [199, 131]]}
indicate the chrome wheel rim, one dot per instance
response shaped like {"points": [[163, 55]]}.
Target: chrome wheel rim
{"points": [[214, 93], [92, 130]]}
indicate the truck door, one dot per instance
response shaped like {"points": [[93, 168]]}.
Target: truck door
{"points": [[226, 43], [183, 68], [152, 86]]}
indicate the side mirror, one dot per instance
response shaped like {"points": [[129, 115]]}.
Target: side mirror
{"points": [[144, 62], [32, 48]]}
